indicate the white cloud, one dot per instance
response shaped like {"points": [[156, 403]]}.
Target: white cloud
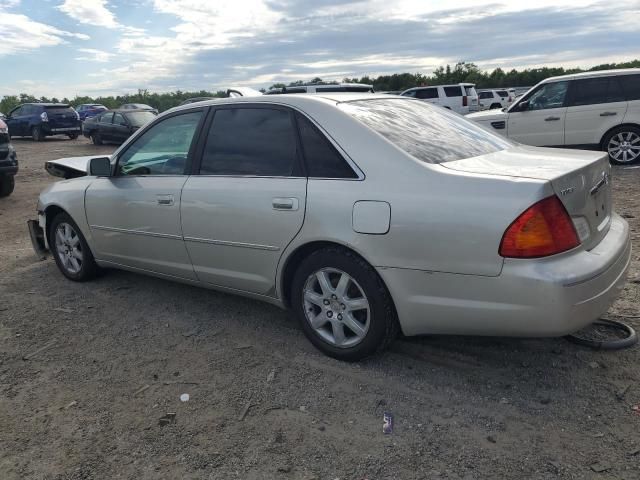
{"points": [[92, 12], [18, 33], [93, 55]]}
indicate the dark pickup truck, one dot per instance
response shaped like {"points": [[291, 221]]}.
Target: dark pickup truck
{"points": [[8, 162]]}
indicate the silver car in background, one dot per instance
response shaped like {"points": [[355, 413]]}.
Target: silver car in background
{"points": [[364, 214]]}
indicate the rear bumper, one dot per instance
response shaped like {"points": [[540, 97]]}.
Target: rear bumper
{"points": [[530, 298], [60, 130]]}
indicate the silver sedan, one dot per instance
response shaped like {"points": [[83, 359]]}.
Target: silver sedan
{"points": [[363, 214]]}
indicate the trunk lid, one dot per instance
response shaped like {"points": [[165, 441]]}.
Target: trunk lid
{"points": [[580, 179]]}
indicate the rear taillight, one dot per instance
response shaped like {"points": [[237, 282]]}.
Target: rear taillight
{"points": [[543, 229], [464, 101], [44, 117]]}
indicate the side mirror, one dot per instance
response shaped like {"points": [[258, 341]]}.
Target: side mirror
{"points": [[523, 106], [100, 167]]}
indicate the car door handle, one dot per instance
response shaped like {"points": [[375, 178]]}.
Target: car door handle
{"points": [[551, 119], [608, 114], [164, 199], [285, 204]]}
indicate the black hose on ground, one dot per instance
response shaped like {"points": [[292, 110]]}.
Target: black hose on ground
{"points": [[616, 344]]}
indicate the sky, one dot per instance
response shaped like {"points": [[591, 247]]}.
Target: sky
{"points": [[64, 48]]}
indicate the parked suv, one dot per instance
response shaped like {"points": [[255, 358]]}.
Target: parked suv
{"points": [[40, 120], [461, 98], [8, 162], [592, 110], [491, 99]]}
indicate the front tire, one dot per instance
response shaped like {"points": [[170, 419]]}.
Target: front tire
{"points": [[7, 184], [96, 139], [70, 250], [342, 305], [623, 145], [72, 136]]}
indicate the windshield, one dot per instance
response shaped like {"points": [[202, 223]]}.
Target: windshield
{"points": [[430, 133], [138, 119]]}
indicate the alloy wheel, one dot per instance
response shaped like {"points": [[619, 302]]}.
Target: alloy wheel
{"points": [[336, 307], [69, 248], [624, 147]]}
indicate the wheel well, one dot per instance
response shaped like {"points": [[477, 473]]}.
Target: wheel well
{"points": [[622, 125], [303, 252], [50, 213]]}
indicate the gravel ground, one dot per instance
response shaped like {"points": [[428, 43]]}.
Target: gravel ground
{"points": [[89, 373]]}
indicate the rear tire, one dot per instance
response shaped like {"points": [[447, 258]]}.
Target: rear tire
{"points": [[7, 184], [70, 250], [494, 106], [623, 145], [96, 139], [36, 134], [342, 305]]}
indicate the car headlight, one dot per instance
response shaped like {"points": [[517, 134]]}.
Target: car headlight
{"points": [[4, 129]]}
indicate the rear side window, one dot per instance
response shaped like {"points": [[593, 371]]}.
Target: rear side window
{"points": [[250, 141], [631, 86], [502, 93], [430, 134], [106, 118], [59, 110], [453, 91], [321, 158], [591, 91], [427, 93]]}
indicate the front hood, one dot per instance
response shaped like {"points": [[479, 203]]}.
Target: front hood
{"points": [[487, 116], [70, 167]]}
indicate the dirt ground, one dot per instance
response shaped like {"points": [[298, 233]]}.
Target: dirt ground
{"points": [[87, 371]]}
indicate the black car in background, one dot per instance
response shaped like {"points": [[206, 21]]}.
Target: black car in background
{"points": [[115, 125], [8, 162], [40, 120]]}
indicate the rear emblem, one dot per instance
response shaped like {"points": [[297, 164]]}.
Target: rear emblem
{"points": [[567, 191]]}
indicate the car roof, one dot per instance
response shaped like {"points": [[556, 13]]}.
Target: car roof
{"points": [[64, 105], [595, 73], [296, 99]]}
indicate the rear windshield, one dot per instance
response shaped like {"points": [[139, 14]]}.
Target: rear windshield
{"points": [[138, 119], [431, 134]]}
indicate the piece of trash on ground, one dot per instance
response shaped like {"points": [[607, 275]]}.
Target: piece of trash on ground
{"points": [[140, 390], [246, 408], [271, 376], [636, 408], [167, 418], [387, 423], [28, 356], [184, 397]]}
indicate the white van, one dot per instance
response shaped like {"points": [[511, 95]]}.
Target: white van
{"points": [[593, 110], [461, 98]]}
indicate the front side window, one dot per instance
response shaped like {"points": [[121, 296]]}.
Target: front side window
{"points": [[428, 133], [453, 91], [321, 158], [591, 91], [549, 95], [410, 93], [484, 95], [163, 149], [427, 93], [250, 141]]}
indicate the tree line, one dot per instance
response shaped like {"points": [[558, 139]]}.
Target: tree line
{"points": [[460, 72]]}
